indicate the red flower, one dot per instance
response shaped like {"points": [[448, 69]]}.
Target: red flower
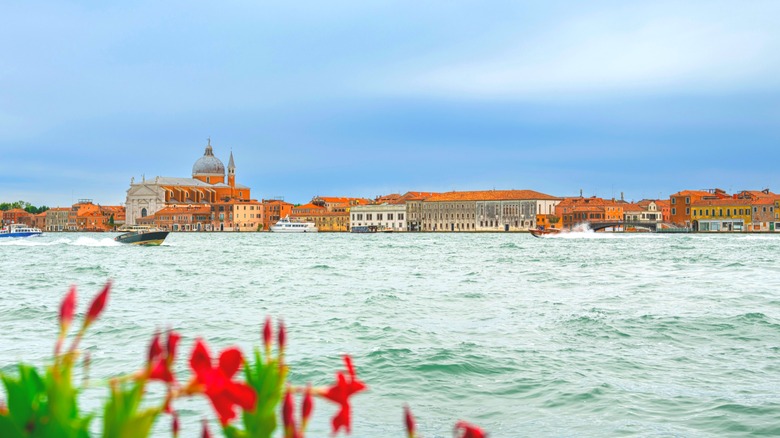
{"points": [[340, 393], [466, 430], [160, 361], [409, 420], [67, 308], [97, 305], [175, 425], [217, 381]]}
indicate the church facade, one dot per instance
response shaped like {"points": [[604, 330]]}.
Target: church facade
{"points": [[208, 186]]}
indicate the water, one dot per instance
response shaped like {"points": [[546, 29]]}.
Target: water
{"points": [[580, 335]]}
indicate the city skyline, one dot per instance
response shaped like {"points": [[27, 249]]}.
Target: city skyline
{"points": [[355, 99]]}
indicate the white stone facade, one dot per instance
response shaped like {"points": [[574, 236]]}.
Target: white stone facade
{"points": [[385, 217]]}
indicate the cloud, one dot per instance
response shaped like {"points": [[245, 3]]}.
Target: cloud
{"points": [[637, 49]]}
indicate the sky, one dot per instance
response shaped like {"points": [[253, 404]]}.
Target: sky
{"points": [[364, 98]]}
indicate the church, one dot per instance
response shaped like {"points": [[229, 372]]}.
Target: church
{"points": [[208, 186]]}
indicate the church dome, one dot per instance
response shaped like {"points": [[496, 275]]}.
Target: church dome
{"points": [[208, 164]]}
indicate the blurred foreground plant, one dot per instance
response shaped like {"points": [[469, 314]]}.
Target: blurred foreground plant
{"points": [[45, 404]]}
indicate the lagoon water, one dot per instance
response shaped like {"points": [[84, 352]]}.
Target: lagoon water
{"points": [[583, 335]]}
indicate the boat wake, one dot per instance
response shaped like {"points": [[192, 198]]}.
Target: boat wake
{"points": [[80, 241], [583, 231]]}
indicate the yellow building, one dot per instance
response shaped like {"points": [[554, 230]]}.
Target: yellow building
{"points": [[721, 214]]}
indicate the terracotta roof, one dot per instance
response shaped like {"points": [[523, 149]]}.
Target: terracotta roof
{"points": [[632, 207], [721, 202], [180, 210], [310, 206], [694, 193], [490, 195]]}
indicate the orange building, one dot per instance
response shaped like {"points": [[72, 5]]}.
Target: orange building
{"points": [[273, 210], [237, 215], [189, 217], [680, 204], [578, 210], [14, 216], [328, 213]]}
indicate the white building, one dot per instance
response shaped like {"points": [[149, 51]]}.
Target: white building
{"points": [[379, 217]]}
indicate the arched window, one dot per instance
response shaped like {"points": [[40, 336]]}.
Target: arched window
{"points": [[143, 212]]}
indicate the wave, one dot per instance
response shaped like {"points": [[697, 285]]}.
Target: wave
{"points": [[81, 241]]}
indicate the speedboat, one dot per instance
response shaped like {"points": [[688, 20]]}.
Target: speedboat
{"points": [[285, 225], [142, 235], [544, 232], [20, 230]]}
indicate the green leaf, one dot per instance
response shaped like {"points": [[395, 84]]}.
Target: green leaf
{"points": [[121, 417], [268, 380]]}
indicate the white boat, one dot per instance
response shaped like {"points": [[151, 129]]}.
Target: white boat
{"points": [[285, 225], [20, 230]]}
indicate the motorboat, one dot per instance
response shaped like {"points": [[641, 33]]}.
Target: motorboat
{"points": [[544, 232], [19, 230], [285, 225], [143, 235]]}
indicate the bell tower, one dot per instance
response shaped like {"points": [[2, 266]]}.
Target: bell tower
{"points": [[231, 173]]}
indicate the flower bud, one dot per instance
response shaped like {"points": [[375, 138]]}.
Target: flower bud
{"points": [[97, 305], [206, 433], [267, 333], [282, 336], [175, 425], [155, 349], [308, 406], [287, 412], [409, 420], [67, 309]]}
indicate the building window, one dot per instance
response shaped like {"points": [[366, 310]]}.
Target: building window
{"points": [[687, 210], [687, 200], [674, 201]]}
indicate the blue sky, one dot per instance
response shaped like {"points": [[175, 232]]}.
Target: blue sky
{"points": [[363, 98]]}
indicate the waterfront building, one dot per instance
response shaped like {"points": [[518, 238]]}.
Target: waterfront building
{"points": [[680, 204], [646, 210], [386, 216], [186, 217], [57, 219], [487, 210], [273, 210], [578, 210], [14, 216], [238, 215], [327, 213], [727, 214], [414, 209], [208, 185]]}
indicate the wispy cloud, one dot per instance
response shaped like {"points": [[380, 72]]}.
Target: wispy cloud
{"points": [[663, 48]]}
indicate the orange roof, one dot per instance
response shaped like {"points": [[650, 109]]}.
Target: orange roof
{"points": [[180, 210], [722, 202], [310, 205], [693, 193], [632, 207], [490, 195]]}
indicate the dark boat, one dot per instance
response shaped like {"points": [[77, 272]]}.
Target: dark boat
{"points": [[542, 233], [141, 235]]}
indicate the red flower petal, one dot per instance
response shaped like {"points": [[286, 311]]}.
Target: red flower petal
{"points": [[282, 336], [308, 405], [155, 349], [230, 361], [200, 361], [287, 412], [467, 430], [173, 342], [242, 395]]}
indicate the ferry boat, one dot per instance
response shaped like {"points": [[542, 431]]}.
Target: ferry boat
{"points": [[285, 225], [20, 230], [142, 235]]}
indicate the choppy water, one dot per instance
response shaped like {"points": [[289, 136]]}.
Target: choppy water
{"points": [[586, 335]]}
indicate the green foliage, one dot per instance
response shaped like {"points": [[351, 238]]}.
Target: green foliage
{"points": [[43, 406], [121, 416], [267, 378], [26, 206]]}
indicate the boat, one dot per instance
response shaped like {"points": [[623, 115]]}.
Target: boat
{"points": [[19, 230], [544, 232], [285, 225], [142, 235], [364, 229]]}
